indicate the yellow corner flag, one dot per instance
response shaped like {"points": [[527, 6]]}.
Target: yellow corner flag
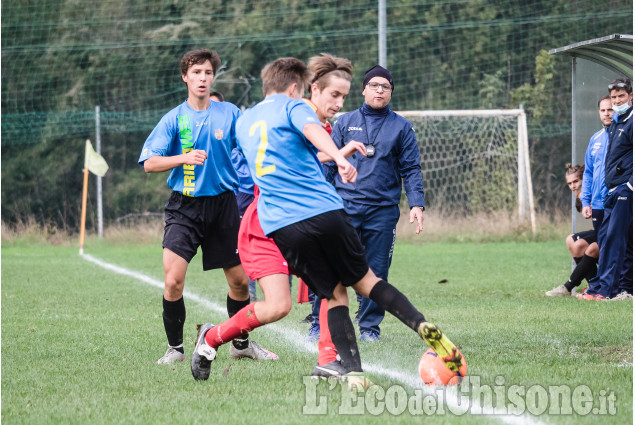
{"points": [[94, 162]]}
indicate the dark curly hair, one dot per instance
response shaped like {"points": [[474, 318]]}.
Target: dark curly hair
{"points": [[199, 57]]}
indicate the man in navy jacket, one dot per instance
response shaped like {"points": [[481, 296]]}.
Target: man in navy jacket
{"points": [[372, 202], [615, 237]]}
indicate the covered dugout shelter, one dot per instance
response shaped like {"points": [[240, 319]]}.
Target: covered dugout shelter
{"points": [[594, 65]]}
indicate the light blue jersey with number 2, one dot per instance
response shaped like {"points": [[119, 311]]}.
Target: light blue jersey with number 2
{"points": [[283, 163]]}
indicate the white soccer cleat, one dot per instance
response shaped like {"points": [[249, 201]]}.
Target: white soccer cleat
{"points": [[558, 291], [623, 296], [253, 351], [171, 356]]}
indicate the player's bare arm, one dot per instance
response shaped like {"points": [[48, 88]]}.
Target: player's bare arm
{"points": [[158, 164], [323, 142], [352, 147], [347, 151], [346, 170]]}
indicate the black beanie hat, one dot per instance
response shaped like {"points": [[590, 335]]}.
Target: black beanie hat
{"points": [[378, 71]]}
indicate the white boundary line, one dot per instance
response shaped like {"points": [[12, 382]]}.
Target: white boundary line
{"points": [[297, 339]]}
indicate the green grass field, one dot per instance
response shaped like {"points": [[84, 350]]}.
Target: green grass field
{"points": [[79, 343]]}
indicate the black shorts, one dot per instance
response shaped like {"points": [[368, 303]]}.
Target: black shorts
{"points": [[323, 250], [210, 222], [589, 236]]}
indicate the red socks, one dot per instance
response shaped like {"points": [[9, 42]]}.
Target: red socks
{"points": [[327, 352], [245, 321], [240, 323]]}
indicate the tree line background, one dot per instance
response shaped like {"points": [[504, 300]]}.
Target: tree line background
{"points": [[61, 58]]}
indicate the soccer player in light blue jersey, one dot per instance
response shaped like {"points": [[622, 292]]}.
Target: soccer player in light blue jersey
{"points": [[194, 142], [301, 211]]}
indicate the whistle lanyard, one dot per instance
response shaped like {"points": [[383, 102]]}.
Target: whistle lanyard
{"points": [[369, 143]]}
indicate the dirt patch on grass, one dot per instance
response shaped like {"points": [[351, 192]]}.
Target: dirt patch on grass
{"points": [[620, 354]]}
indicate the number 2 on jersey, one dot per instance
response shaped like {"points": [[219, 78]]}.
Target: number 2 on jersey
{"points": [[262, 148]]}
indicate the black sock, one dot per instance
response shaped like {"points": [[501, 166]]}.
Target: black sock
{"points": [[585, 269], [173, 321], [577, 260], [343, 337], [390, 299], [233, 307], [570, 285], [591, 267]]}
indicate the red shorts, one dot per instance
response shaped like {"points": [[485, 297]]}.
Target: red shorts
{"points": [[259, 254]]}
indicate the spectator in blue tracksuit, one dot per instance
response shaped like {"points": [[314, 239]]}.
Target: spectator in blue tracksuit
{"points": [[615, 236], [372, 202]]}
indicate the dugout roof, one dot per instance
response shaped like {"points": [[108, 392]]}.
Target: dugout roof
{"points": [[613, 51], [594, 65]]}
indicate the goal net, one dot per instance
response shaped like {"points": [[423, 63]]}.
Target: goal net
{"points": [[475, 161]]}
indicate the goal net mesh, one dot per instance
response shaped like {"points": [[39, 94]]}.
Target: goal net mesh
{"points": [[469, 162]]}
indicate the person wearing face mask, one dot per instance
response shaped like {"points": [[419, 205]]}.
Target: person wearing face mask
{"points": [[372, 202], [590, 202], [615, 237]]}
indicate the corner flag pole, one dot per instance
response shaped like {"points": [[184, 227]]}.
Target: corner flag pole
{"points": [[83, 224], [96, 164]]}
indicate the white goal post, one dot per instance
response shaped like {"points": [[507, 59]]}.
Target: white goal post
{"points": [[475, 160]]}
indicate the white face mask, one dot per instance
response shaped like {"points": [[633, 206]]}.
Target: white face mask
{"points": [[621, 109]]}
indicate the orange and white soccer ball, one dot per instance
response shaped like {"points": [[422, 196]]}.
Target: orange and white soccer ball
{"points": [[434, 372]]}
